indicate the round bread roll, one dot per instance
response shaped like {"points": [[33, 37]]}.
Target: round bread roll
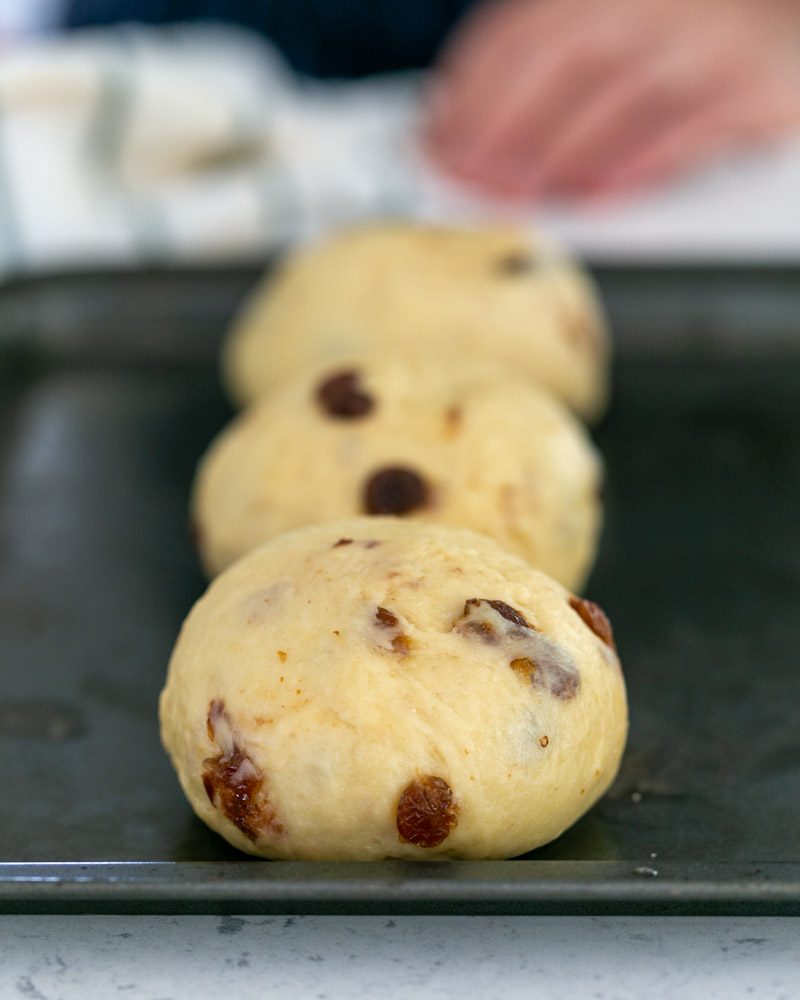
{"points": [[373, 688], [466, 292], [450, 442]]}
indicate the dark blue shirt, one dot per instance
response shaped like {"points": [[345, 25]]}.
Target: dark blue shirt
{"points": [[318, 37]]}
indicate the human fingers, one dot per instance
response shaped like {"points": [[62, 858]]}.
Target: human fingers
{"points": [[541, 93], [701, 137], [470, 70], [629, 111]]}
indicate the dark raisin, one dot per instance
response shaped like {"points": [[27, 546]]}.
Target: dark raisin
{"points": [[515, 263], [510, 614], [596, 619], [484, 629], [235, 786], [386, 618], [504, 610], [394, 490], [342, 395], [343, 541], [426, 812]]}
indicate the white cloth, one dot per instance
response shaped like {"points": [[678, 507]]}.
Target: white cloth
{"points": [[29, 17], [196, 144]]}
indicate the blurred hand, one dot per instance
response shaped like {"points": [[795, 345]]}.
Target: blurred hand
{"points": [[577, 97]]}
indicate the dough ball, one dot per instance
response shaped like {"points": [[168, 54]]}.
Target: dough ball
{"points": [[375, 688], [466, 443], [467, 292]]}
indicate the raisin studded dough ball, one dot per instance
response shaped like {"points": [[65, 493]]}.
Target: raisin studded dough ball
{"points": [[373, 688], [477, 292], [452, 442]]}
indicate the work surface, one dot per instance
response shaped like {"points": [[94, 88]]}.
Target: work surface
{"points": [[105, 411]]}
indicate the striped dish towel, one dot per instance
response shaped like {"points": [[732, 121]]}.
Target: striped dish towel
{"points": [[132, 146]]}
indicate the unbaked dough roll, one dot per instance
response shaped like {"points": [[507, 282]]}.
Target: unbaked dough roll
{"points": [[465, 292], [375, 688], [472, 444]]}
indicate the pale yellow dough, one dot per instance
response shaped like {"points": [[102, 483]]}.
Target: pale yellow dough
{"points": [[496, 454], [317, 689], [492, 291]]}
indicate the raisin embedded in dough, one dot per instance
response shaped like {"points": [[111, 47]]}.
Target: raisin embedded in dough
{"points": [[426, 812], [342, 395], [395, 490], [488, 292], [417, 712], [451, 441]]}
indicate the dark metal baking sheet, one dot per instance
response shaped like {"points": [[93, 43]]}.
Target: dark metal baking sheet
{"points": [[108, 395]]}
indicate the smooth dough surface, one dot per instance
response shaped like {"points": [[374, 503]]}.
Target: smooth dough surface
{"points": [[477, 292], [374, 688], [490, 450]]}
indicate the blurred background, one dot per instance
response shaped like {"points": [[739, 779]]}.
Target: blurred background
{"points": [[173, 132]]}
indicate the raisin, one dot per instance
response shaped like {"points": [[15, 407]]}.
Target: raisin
{"points": [[483, 628], [516, 262], [530, 654], [395, 490], [386, 618], [426, 812], [595, 618], [343, 541], [544, 741], [510, 614], [342, 395], [401, 644], [233, 783], [523, 666]]}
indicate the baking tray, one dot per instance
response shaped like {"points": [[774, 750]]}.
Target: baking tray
{"points": [[108, 396]]}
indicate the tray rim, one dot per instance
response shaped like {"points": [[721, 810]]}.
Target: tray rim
{"points": [[449, 887]]}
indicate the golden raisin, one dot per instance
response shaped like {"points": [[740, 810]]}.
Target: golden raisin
{"points": [[426, 812], [401, 644], [524, 667]]}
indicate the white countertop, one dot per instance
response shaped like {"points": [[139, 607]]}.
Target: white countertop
{"points": [[326, 958]]}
